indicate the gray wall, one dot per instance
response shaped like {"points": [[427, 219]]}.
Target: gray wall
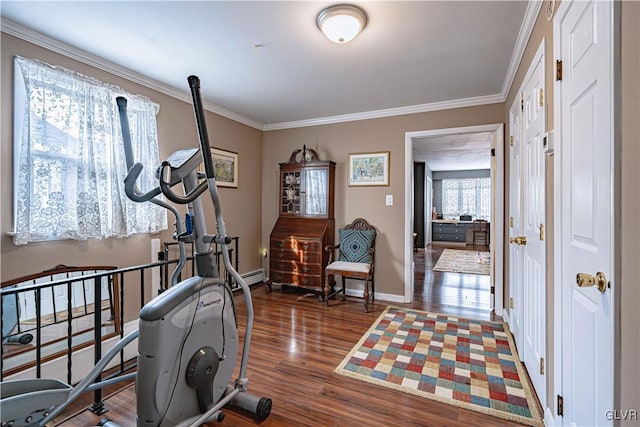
{"points": [[438, 176], [419, 194]]}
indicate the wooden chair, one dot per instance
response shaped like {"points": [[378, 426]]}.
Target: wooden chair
{"points": [[481, 231], [355, 260]]}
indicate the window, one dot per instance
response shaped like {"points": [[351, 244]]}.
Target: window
{"points": [[69, 164], [469, 196]]}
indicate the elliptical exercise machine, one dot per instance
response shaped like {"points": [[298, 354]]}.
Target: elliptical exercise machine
{"points": [[188, 335]]}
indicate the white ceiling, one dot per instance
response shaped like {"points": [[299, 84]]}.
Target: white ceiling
{"points": [[465, 151], [266, 63]]}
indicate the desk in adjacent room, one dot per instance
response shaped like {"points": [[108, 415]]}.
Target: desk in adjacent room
{"points": [[450, 230]]}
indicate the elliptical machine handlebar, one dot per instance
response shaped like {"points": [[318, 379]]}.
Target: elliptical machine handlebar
{"points": [[134, 169], [132, 191], [165, 187], [194, 84]]}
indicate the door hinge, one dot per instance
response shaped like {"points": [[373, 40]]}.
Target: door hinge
{"points": [[511, 221], [541, 366], [560, 406], [558, 70], [541, 97], [511, 303], [522, 102], [511, 143], [541, 231], [493, 290]]}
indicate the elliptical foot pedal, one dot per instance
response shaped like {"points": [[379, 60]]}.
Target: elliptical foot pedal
{"points": [[106, 422], [263, 409]]}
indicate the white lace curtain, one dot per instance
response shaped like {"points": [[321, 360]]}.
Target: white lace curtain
{"points": [[469, 196], [69, 158]]}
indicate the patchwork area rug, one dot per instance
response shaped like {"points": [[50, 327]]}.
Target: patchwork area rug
{"points": [[461, 261], [467, 363]]}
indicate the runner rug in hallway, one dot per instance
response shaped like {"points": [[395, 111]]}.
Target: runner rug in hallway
{"points": [[461, 261], [467, 363]]}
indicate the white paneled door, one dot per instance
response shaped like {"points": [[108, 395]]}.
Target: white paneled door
{"points": [[516, 229], [533, 198], [584, 39]]}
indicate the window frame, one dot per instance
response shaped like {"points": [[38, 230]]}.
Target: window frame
{"points": [[20, 105]]}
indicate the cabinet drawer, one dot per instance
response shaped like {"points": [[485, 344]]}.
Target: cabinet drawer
{"points": [[449, 237], [450, 229], [295, 267], [296, 245], [295, 279], [303, 257]]}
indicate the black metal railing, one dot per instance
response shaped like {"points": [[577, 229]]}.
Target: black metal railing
{"points": [[217, 252], [129, 279]]}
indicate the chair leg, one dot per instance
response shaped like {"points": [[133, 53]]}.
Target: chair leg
{"points": [[373, 288], [366, 296], [344, 290], [327, 288]]}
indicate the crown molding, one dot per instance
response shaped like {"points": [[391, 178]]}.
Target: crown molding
{"points": [[389, 112], [529, 21], [39, 39], [531, 14]]}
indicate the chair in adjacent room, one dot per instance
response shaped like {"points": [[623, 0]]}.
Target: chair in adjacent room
{"points": [[355, 259], [480, 232]]}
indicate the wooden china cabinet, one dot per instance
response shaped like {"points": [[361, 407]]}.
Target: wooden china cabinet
{"points": [[305, 224]]}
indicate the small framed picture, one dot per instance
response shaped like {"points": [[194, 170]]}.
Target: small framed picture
{"points": [[369, 169], [225, 164]]}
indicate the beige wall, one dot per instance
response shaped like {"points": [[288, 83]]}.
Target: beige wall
{"points": [[176, 129], [335, 142], [629, 287]]}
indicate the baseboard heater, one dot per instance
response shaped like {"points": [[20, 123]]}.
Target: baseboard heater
{"points": [[253, 277]]}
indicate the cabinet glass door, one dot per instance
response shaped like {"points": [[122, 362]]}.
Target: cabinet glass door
{"points": [[315, 196], [290, 197]]}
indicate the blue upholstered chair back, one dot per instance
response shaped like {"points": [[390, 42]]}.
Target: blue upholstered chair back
{"points": [[355, 245]]}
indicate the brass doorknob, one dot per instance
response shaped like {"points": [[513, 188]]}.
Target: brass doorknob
{"points": [[585, 280], [520, 240]]}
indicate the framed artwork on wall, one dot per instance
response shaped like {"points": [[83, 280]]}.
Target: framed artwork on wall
{"points": [[369, 169], [225, 164]]}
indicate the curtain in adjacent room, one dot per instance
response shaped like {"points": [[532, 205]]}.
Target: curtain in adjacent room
{"points": [[467, 196]]}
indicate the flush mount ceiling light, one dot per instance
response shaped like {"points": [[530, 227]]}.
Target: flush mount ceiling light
{"points": [[341, 23]]}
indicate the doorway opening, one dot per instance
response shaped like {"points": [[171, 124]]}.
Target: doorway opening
{"points": [[449, 147]]}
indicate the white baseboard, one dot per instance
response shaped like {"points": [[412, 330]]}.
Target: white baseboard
{"points": [[549, 419], [505, 317], [378, 297], [355, 288]]}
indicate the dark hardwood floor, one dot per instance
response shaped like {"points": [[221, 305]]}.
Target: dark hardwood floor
{"points": [[450, 293], [297, 343]]}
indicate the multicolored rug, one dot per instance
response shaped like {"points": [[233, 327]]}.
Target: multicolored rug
{"points": [[467, 363], [461, 261]]}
